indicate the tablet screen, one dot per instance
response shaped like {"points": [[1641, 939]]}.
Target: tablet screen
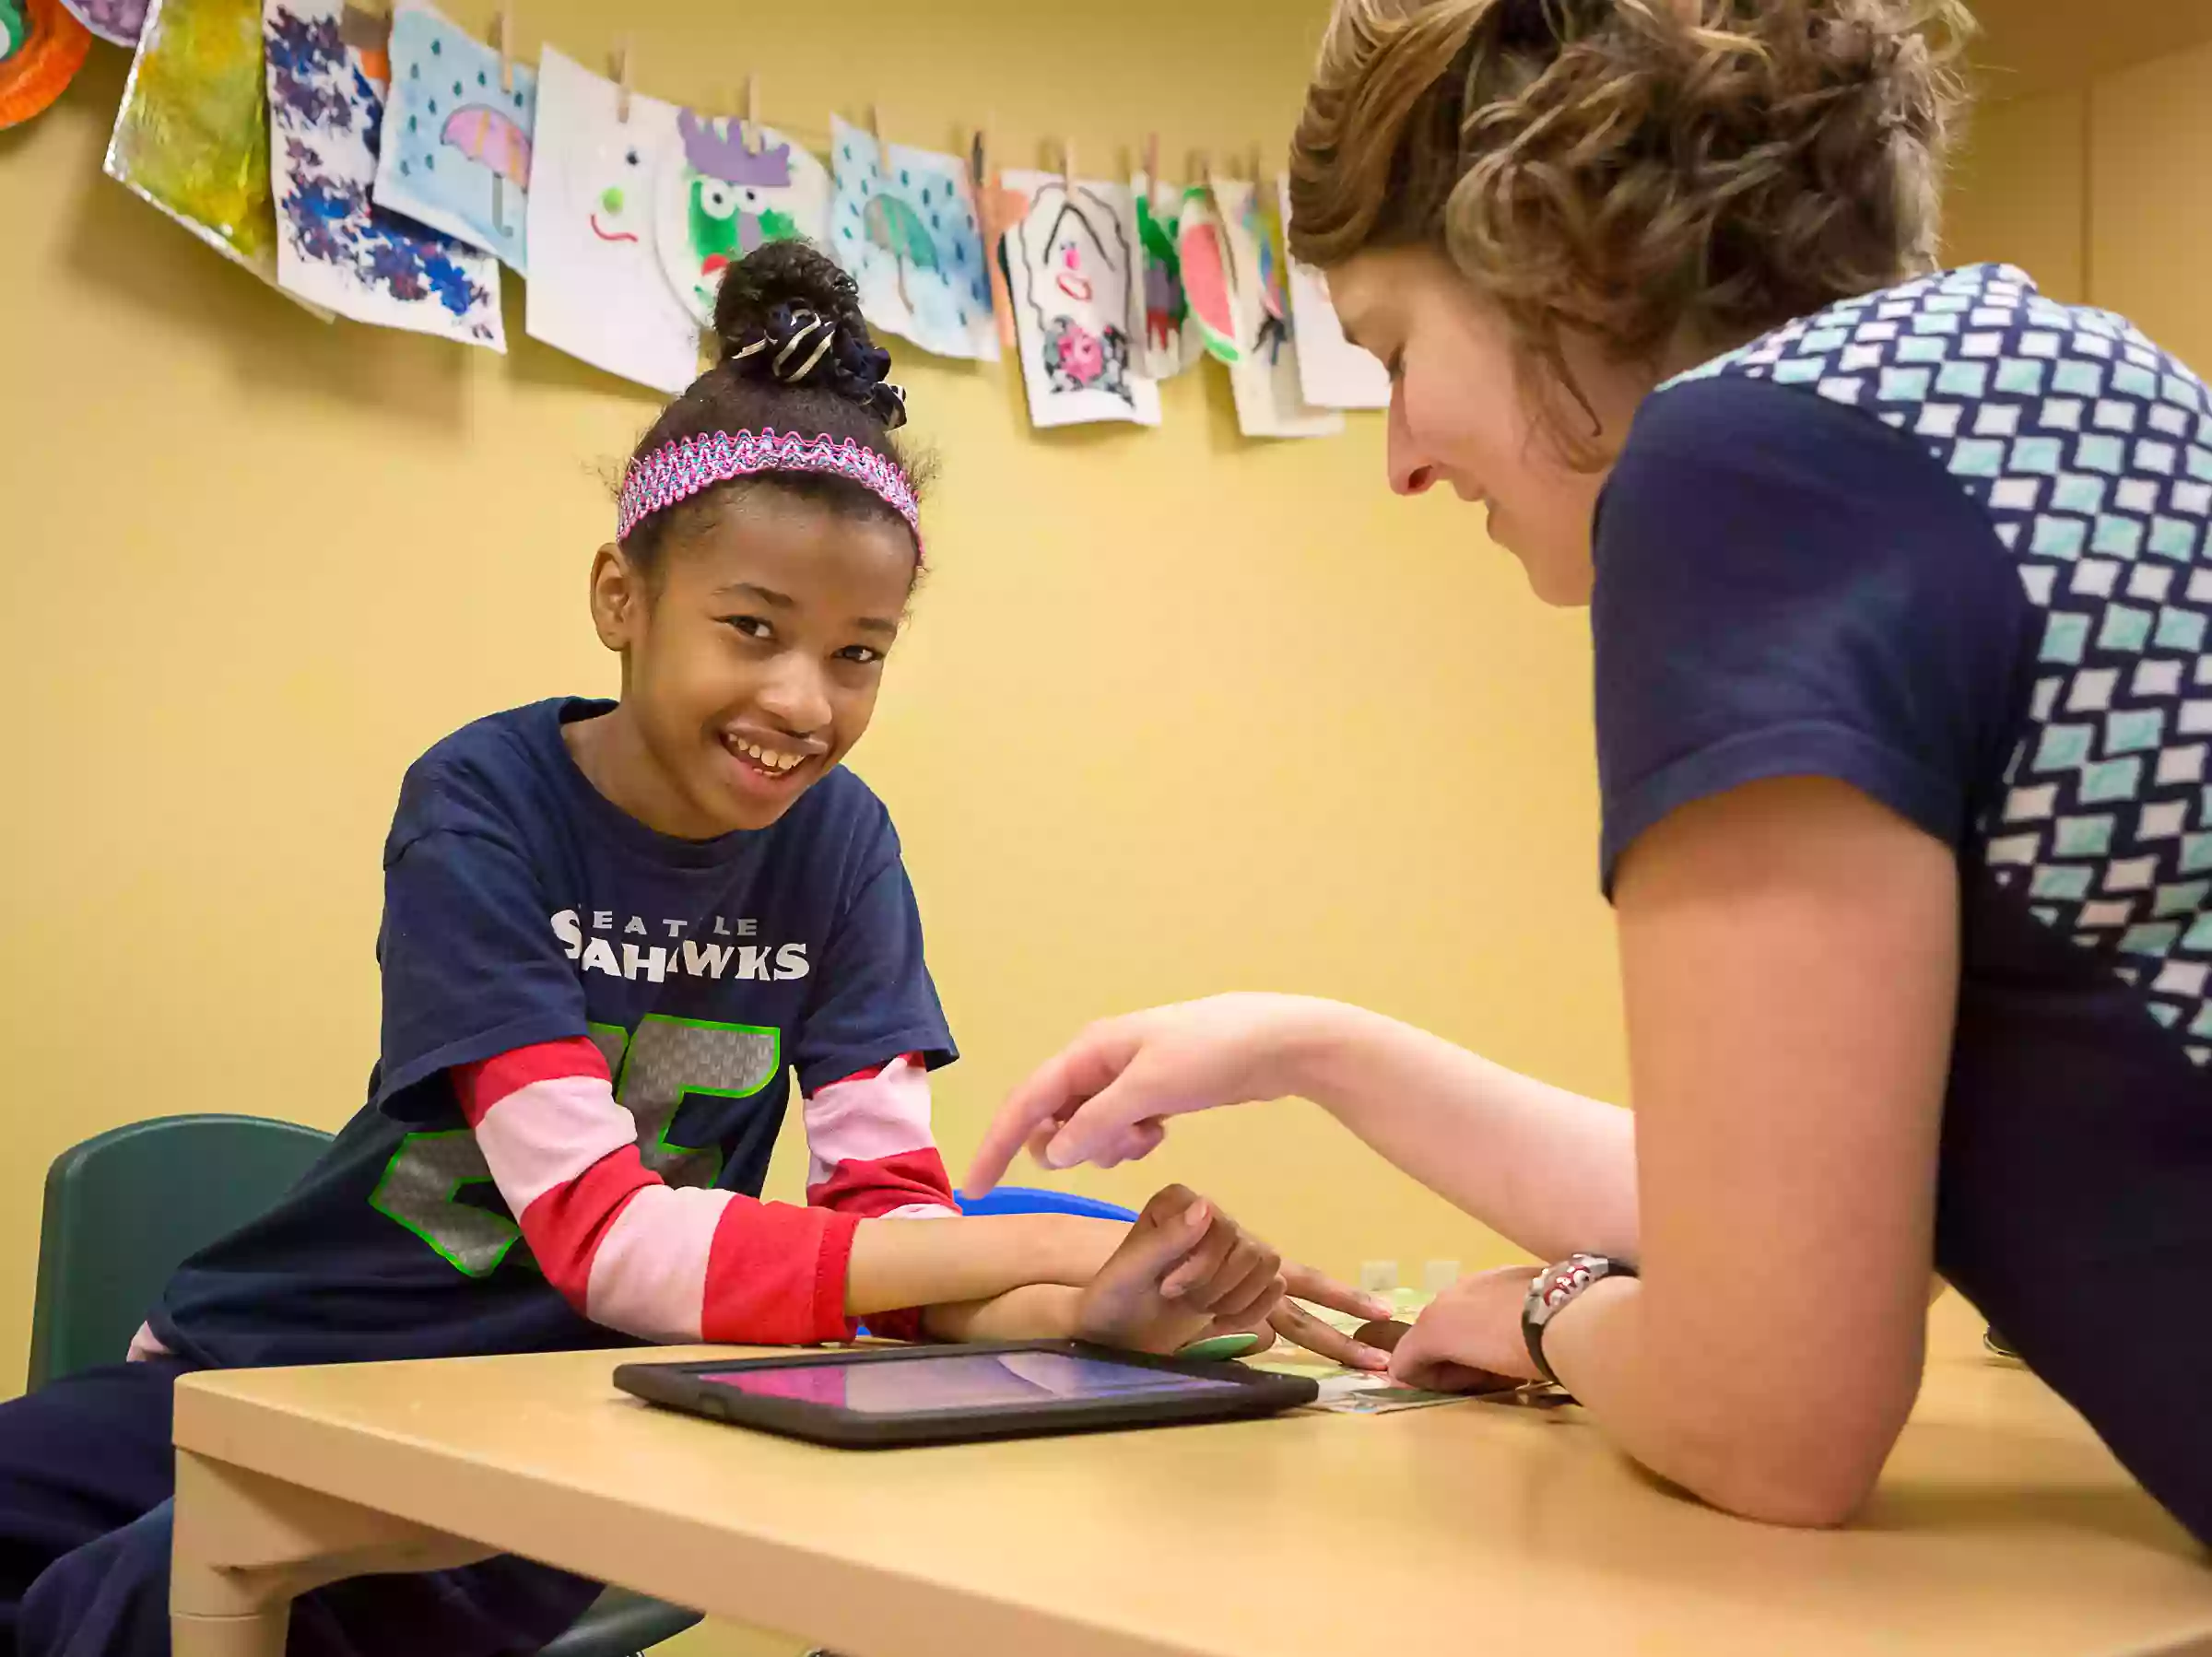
{"points": [[962, 1381]]}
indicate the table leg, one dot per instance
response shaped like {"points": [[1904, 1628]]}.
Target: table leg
{"points": [[246, 1546]]}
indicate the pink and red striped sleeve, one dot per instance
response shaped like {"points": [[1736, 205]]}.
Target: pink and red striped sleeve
{"points": [[870, 1154], [625, 1248]]}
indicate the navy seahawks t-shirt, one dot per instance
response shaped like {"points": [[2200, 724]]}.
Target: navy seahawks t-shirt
{"points": [[521, 906], [1951, 544]]}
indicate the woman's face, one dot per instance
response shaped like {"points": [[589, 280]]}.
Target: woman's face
{"points": [[1458, 416]]}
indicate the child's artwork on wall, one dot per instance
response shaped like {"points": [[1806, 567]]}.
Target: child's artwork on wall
{"points": [[904, 226], [41, 48], [1071, 261], [1332, 371], [335, 247], [1160, 316], [1211, 277], [455, 150], [597, 291], [724, 189], [119, 22], [997, 211], [191, 136], [1264, 380]]}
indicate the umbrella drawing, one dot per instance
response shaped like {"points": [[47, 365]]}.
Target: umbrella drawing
{"points": [[896, 228], [491, 137]]}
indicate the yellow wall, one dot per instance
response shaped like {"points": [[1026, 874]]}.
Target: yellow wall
{"points": [[2019, 191], [2150, 149], [2094, 191], [1179, 712]]}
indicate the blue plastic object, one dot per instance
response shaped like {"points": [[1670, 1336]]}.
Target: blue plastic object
{"points": [[1036, 1199]]}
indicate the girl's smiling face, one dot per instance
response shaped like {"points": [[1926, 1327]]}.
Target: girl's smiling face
{"points": [[752, 650]]}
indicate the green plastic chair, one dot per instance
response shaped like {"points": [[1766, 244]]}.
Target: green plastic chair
{"points": [[126, 1207]]}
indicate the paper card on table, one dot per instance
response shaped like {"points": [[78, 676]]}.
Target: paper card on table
{"points": [[907, 233], [1264, 378], [457, 136], [335, 247], [595, 288], [720, 190], [1361, 1395], [1332, 371], [1161, 315], [191, 136], [1071, 260]]}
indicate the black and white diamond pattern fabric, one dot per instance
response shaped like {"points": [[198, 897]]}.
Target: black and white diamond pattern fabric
{"points": [[2091, 451]]}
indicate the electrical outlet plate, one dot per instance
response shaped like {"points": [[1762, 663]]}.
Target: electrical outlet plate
{"points": [[1379, 1276], [1439, 1275]]}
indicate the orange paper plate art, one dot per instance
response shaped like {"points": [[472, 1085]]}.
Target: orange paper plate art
{"points": [[34, 77]]}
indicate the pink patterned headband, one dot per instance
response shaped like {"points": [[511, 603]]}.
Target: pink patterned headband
{"points": [[677, 471]]}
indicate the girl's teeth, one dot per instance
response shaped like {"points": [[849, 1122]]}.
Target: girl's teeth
{"points": [[769, 757]]}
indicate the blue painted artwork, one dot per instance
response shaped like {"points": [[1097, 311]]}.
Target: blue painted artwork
{"points": [[336, 247], [457, 136], [903, 224]]}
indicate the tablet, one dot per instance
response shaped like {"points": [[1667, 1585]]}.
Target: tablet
{"points": [[948, 1395]]}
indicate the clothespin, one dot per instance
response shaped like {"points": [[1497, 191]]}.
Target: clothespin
{"points": [[1151, 160], [1068, 165], [623, 83], [752, 108]]}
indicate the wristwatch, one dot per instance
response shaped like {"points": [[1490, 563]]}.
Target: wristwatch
{"points": [[1555, 1286]]}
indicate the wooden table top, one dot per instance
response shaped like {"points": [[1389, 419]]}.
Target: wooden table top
{"points": [[2001, 1524]]}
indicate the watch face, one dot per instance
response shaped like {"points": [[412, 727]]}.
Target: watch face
{"points": [[1558, 1284]]}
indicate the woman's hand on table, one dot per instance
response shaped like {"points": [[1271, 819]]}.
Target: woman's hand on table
{"points": [[1469, 1339]]}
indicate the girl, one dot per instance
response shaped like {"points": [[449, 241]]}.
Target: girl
{"points": [[1899, 586], [610, 932]]}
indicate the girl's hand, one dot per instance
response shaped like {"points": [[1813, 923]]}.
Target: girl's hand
{"points": [[1186, 1272], [1106, 1097], [1469, 1338]]}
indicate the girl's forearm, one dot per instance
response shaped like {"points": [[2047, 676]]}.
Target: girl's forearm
{"points": [[1036, 1312], [1549, 1169], [897, 1263]]}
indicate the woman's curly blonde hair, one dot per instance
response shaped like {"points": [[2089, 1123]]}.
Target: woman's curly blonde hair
{"points": [[1644, 172]]}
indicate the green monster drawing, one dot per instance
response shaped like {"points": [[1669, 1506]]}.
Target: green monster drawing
{"points": [[1165, 306], [729, 215], [725, 227]]}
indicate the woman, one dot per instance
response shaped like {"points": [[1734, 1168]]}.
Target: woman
{"points": [[1899, 584]]}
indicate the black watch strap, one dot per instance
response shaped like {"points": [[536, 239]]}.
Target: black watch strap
{"points": [[1554, 1288]]}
